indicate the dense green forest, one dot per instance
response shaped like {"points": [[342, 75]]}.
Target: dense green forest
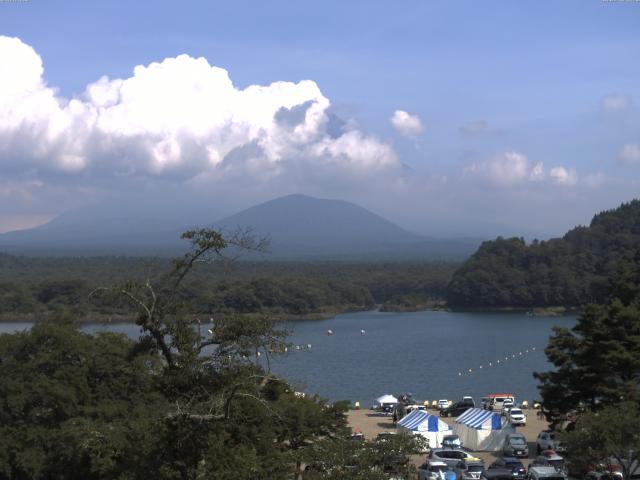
{"points": [[570, 271], [174, 404], [33, 286]]}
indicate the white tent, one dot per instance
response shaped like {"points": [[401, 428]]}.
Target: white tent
{"points": [[386, 399], [482, 430], [429, 426]]}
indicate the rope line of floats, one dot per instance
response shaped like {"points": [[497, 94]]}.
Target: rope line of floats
{"points": [[498, 362], [469, 371]]}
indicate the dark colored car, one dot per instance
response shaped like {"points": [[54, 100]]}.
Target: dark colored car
{"points": [[512, 464], [458, 408], [469, 469], [497, 474], [451, 441], [515, 445]]}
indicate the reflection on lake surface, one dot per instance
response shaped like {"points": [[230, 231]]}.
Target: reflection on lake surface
{"points": [[422, 353]]}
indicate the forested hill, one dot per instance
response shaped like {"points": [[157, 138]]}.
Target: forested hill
{"points": [[568, 271]]}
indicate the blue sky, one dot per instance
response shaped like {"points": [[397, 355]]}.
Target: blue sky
{"points": [[491, 83]]}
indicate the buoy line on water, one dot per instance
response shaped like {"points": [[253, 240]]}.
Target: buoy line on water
{"points": [[498, 362]]}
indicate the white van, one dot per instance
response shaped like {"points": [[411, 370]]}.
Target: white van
{"points": [[496, 402]]}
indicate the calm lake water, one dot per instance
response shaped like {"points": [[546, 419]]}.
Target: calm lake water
{"points": [[422, 353]]}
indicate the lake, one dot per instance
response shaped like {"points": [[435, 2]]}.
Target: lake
{"points": [[426, 353]]}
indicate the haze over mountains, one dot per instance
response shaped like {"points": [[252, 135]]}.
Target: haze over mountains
{"points": [[300, 228]]}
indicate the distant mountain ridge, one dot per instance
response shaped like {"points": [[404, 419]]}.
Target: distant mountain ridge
{"points": [[569, 271], [304, 227], [300, 228], [299, 218]]}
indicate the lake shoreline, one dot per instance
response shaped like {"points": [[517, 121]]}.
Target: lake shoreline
{"points": [[436, 306]]}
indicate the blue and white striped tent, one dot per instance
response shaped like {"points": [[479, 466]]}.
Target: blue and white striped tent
{"points": [[429, 426], [482, 430]]}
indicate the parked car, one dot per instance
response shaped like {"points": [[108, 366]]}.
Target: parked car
{"points": [[515, 445], [411, 408], [450, 456], [496, 400], [545, 473], [469, 469], [451, 442], [517, 416], [496, 474], [547, 441], [458, 408], [432, 470], [550, 460], [442, 404], [604, 470], [512, 464]]}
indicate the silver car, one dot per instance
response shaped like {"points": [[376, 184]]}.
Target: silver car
{"points": [[432, 470], [451, 456]]}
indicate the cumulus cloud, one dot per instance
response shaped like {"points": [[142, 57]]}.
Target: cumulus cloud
{"points": [[563, 176], [511, 169], [615, 103], [406, 124], [505, 170], [630, 153], [180, 117]]}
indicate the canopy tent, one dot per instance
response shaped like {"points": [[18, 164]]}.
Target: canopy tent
{"points": [[429, 426], [482, 430], [386, 399]]}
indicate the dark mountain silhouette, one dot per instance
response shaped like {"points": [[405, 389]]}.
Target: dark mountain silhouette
{"points": [[299, 227], [303, 227], [131, 225]]}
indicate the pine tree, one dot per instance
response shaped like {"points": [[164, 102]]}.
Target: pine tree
{"points": [[598, 360]]}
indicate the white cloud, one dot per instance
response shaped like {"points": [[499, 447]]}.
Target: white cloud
{"points": [[563, 176], [511, 169], [406, 124], [537, 173], [615, 103], [505, 170], [181, 117], [630, 153]]}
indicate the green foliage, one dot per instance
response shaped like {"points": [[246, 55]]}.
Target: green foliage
{"points": [[570, 271], [72, 403], [33, 288], [598, 361], [345, 459], [180, 403], [81, 406], [609, 437]]}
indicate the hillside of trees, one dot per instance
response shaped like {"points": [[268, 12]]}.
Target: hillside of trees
{"points": [[31, 287], [570, 271], [174, 404]]}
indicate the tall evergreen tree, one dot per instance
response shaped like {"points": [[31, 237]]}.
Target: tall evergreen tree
{"points": [[598, 360]]}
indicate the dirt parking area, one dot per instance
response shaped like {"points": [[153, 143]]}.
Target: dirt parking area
{"points": [[370, 423]]}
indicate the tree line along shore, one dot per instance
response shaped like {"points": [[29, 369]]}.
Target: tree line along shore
{"points": [[543, 277]]}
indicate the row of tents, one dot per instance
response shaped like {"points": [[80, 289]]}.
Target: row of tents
{"points": [[478, 429]]}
